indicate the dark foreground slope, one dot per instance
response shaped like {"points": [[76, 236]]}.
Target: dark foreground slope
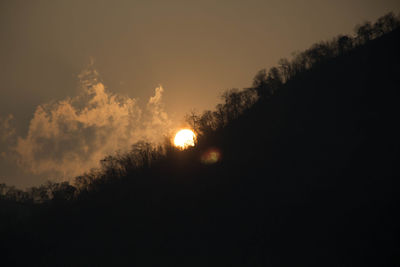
{"points": [[308, 177]]}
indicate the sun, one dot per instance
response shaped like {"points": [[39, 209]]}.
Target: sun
{"points": [[184, 138]]}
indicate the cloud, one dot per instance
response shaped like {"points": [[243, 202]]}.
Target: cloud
{"points": [[71, 136]]}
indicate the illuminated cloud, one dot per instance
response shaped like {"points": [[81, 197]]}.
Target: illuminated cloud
{"points": [[71, 136]]}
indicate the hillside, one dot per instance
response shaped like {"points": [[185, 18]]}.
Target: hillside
{"points": [[306, 177]]}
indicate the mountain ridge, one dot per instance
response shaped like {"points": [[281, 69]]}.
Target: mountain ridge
{"points": [[307, 176]]}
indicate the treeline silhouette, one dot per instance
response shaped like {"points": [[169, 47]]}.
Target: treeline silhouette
{"points": [[266, 83], [235, 102], [306, 174]]}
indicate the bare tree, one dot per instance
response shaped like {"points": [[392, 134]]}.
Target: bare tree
{"points": [[193, 119], [344, 44], [364, 32]]}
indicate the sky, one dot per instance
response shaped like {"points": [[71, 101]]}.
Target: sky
{"points": [[83, 79]]}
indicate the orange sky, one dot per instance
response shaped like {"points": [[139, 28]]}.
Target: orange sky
{"points": [[194, 49]]}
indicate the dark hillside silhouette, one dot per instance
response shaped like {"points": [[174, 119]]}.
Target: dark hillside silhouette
{"points": [[307, 176]]}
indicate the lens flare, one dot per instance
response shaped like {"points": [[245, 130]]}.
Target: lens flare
{"points": [[184, 138], [211, 156]]}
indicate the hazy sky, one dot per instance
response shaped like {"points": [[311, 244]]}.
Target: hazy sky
{"points": [[194, 49]]}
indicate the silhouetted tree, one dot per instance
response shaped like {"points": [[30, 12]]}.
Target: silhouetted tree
{"points": [[299, 63], [364, 32], [385, 24], [274, 80], [260, 83], [232, 104], [3, 189], [207, 122], [248, 97], [344, 44], [220, 116], [193, 120], [286, 69], [266, 84], [318, 53]]}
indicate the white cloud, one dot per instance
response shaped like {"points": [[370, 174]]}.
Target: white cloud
{"points": [[71, 136]]}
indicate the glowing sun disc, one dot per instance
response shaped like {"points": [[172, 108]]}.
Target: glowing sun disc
{"points": [[184, 138]]}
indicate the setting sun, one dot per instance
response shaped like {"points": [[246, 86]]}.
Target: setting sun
{"points": [[184, 138]]}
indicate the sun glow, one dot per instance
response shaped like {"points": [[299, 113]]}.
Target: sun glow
{"points": [[184, 138]]}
